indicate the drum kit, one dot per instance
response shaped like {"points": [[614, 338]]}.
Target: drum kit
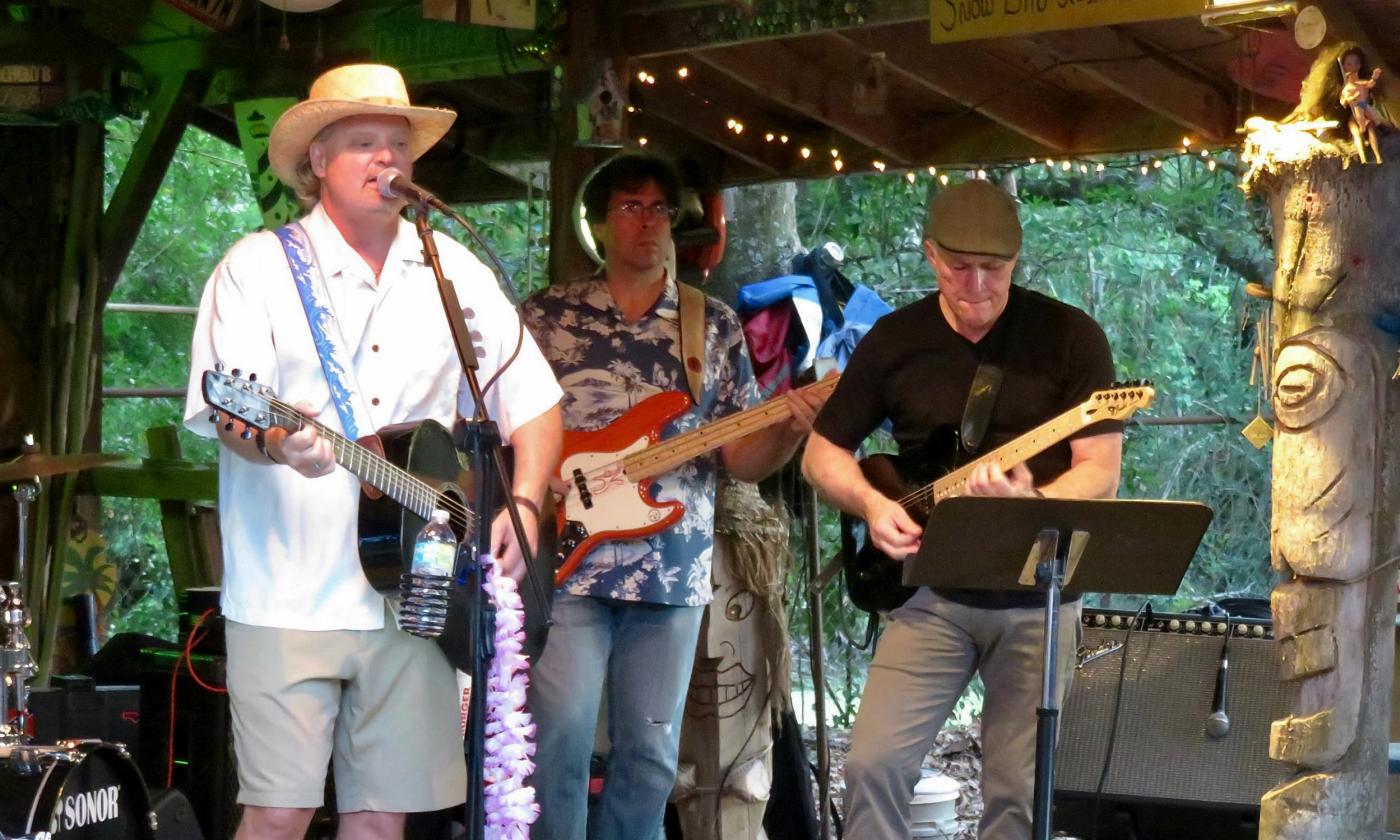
{"points": [[74, 789]]}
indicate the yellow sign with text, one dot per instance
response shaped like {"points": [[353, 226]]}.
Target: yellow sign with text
{"points": [[970, 20]]}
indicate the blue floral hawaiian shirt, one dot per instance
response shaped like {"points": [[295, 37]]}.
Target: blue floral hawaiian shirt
{"points": [[606, 365]]}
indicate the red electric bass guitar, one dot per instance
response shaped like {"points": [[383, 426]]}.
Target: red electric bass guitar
{"points": [[610, 470]]}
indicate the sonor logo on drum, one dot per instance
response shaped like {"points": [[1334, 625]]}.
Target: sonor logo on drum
{"points": [[89, 807]]}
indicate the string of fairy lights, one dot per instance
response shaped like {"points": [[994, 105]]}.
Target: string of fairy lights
{"points": [[845, 162]]}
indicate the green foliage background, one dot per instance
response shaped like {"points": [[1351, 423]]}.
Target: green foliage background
{"points": [[1159, 259]]}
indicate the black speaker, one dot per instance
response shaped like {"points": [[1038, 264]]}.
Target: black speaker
{"points": [[1167, 774], [199, 758], [175, 818]]}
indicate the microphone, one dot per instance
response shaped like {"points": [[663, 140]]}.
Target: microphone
{"points": [[1218, 723], [394, 184]]}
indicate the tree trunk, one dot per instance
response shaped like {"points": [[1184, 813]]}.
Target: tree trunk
{"points": [[761, 237], [1334, 480]]}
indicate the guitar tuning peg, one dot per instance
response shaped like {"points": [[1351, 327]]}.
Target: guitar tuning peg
{"points": [[228, 427], [219, 367], [252, 377], [246, 434], [214, 418], [236, 372]]}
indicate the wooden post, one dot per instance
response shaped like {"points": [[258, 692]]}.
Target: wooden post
{"points": [[1333, 535], [184, 545], [740, 680], [571, 164]]}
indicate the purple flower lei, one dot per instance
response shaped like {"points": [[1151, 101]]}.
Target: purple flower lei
{"points": [[510, 732]]}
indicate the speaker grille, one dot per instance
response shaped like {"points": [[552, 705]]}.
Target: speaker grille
{"points": [[1161, 752]]}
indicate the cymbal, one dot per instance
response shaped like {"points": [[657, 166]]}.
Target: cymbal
{"points": [[39, 465]]}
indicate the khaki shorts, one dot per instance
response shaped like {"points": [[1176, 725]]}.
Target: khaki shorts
{"points": [[382, 705]]}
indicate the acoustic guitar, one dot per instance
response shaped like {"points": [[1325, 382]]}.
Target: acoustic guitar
{"points": [[407, 470]]}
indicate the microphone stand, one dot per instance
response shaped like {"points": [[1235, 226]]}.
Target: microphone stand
{"points": [[488, 462]]}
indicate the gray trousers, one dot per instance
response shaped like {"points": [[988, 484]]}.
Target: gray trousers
{"points": [[925, 658]]}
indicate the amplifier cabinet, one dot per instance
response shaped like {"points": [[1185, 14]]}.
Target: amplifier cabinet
{"points": [[1163, 757]]}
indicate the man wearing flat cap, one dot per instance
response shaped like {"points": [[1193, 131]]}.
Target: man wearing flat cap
{"points": [[318, 671], [916, 368]]}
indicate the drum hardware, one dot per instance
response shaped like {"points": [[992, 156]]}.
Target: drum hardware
{"points": [[76, 788], [16, 665]]}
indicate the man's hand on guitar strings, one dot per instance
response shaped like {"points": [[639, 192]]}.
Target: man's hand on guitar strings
{"points": [[303, 450], [989, 480], [891, 528]]}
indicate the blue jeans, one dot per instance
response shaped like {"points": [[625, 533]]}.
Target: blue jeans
{"points": [[645, 653]]}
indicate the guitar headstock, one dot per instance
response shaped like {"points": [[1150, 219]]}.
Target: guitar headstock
{"points": [[244, 399], [1119, 401]]}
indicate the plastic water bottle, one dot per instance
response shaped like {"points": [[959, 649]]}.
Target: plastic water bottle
{"points": [[425, 587], [435, 550]]}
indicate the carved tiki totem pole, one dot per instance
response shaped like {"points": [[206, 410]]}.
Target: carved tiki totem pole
{"points": [[1336, 309], [725, 771]]}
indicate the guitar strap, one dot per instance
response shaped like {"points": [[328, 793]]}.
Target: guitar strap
{"points": [[691, 305], [986, 384], [325, 331]]}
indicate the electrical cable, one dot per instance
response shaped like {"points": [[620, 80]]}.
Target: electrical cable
{"points": [[197, 634], [1117, 709]]}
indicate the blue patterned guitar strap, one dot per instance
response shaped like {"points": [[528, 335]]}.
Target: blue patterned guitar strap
{"points": [[325, 331]]}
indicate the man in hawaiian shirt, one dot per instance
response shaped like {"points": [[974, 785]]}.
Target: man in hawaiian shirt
{"points": [[630, 616]]}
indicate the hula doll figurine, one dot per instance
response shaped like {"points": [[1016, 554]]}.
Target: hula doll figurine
{"points": [[1356, 97]]}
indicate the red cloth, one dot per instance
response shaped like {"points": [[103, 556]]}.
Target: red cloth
{"points": [[767, 333]]}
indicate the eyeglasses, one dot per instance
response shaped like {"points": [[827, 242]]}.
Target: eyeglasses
{"points": [[635, 210]]}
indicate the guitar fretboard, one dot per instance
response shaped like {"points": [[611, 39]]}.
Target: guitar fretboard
{"points": [[671, 453], [1021, 449], [373, 469], [1112, 404]]}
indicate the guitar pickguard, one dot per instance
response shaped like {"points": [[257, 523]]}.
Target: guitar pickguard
{"points": [[603, 500]]}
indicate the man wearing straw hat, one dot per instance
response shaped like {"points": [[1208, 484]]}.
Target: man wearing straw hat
{"points": [[318, 671]]}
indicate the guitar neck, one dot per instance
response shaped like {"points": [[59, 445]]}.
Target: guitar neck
{"points": [[368, 466], [673, 452], [1021, 449]]}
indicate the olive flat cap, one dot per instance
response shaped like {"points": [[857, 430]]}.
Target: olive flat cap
{"points": [[976, 217]]}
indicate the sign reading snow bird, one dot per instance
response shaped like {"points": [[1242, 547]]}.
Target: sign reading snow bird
{"points": [[970, 20]]}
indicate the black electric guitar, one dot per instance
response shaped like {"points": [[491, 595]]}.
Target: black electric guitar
{"points": [[407, 470], [874, 582]]}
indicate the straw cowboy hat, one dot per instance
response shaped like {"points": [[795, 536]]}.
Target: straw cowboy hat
{"points": [[349, 91]]}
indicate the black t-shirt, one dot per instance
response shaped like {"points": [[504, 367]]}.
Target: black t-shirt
{"points": [[914, 370]]}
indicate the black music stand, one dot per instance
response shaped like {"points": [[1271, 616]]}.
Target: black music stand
{"points": [[1074, 545]]}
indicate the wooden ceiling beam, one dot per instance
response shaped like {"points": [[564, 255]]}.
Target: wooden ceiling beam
{"points": [[736, 146], [1105, 127], [700, 105], [646, 30], [776, 74], [1117, 61], [962, 73], [719, 167]]}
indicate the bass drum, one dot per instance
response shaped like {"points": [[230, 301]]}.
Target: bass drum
{"points": [[76, 790]]}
